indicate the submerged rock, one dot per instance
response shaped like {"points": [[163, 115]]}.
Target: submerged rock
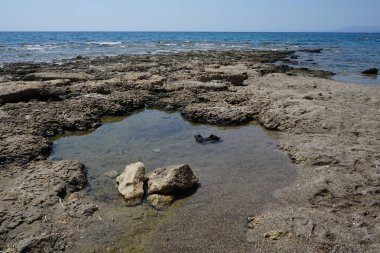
{"points": [[131, 181], [170, 179], [371, 71], [111, 173], [160, 202], [275, 234]]}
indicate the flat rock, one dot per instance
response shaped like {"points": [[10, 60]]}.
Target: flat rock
{"points": [[33, 243], [135, 76], [191, 84], [152, 83], [11, 92], [236, 79], [220, 114], [73, 76], [37, 186], [170, 179], [131, 181], [23, 148], [160, 202]]}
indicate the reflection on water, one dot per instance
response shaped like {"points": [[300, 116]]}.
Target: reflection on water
{"points": [[237, 176]]}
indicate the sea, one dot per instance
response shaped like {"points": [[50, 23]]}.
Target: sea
{"points": [[346, 54]]}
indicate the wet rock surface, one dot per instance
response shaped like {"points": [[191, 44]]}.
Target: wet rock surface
{"points": [[160, 202], [329, 129]]}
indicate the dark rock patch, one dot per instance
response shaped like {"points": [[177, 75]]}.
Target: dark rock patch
{"points": [[371, 71], [311, 50]]}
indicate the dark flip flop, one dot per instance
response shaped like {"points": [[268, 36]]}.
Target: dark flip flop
{"points": [[213, 138], [199, 138]]}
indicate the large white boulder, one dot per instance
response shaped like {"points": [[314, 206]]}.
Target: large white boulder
{"points": [[131, 181]]}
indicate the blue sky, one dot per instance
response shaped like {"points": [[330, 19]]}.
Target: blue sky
{"points": [[187, 15]]}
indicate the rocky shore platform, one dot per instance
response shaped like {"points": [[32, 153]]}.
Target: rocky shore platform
{"points": [[331, 131]]}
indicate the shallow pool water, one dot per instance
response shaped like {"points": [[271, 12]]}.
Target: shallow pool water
{"points": [[238, 177]]}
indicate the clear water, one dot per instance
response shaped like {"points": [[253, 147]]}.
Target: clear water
{"points": [[238, 177], [347, 54]]}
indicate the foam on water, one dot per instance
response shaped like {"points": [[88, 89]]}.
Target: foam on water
{"points": [[33, 47], [102, 43]]}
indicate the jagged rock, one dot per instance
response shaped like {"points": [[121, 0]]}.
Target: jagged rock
{"points": [[371, 71], [170, 179], [160, 202], [131, 181]]}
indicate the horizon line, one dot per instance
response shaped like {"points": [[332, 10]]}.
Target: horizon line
{"points": [[168, 31]]}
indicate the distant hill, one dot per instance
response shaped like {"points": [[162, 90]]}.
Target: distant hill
{"points": [[360, 29]]}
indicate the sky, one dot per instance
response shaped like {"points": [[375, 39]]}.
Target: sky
{"points": [[188, 15]]}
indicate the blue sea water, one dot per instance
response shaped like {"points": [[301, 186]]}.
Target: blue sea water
{"points": [[346, 54]]}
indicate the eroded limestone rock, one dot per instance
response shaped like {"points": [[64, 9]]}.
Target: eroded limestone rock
{"points": [[170, 179], [191, 84], [131, 181]]}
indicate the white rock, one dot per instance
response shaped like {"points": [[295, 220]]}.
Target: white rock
{"points": [[131, 181]]}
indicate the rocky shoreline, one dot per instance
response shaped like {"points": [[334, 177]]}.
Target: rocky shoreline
{"points": [[329, 129]]}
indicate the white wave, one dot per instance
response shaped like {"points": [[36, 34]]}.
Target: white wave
{"points": [[34, 48], [51, 47], [204, 44], [104, 43]]}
